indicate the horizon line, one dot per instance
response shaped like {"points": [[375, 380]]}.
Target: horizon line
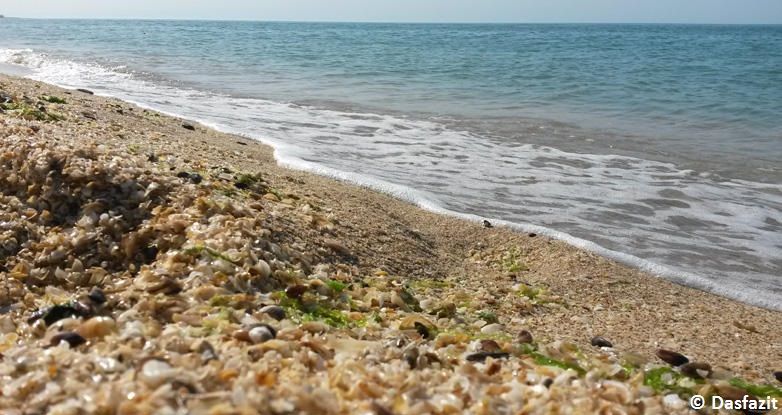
{"points": [[188, 19]]}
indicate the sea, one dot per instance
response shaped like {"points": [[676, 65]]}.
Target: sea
{"points": [[659, 146]]}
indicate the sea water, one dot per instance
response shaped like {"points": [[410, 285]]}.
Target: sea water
{"points": [[656, 145]]}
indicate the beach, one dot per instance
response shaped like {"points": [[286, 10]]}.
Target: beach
{"points": [[384, 307]]}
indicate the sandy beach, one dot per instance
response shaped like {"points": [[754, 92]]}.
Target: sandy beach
{"points": [[371, 305]]}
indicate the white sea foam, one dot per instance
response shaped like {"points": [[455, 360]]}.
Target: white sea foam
{"points": [[718, 236]]}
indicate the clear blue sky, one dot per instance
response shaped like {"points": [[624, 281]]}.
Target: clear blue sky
{"points": [[643, 11]]}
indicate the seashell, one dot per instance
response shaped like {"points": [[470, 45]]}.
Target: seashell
{"points": [[274, 311], [97, 327], [58, 312], [671, 357], [167, 286], [447, 339], [489, 346], [261, 334], [617, 392], [207, 351], [696, 370], [482, 356], [73, 339], [420, 324], [674, 402], [411, 357], [154, 372], [601, 342], [525, 337], [315, 327], [262, 269], [337, 247]]}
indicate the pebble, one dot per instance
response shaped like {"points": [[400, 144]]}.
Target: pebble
{"points": [[674, 402], [97, 327], [156, 372], [489, 346], [336, 246], [672, 358], [487, 224], [97, 296], [86, 91], [599, 341], [494, 328], [262, 334], [778, 375], [274, 311], [188, 126]]}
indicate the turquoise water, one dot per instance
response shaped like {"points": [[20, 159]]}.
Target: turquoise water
{"points": [[658, 145]]}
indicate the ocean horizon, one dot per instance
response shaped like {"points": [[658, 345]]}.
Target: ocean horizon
{"points": [[658, 145]]}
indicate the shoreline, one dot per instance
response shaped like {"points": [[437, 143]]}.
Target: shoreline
{"points": [[567, 295]]}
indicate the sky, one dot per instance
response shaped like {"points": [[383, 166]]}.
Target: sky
{"points": [[558, 11]]}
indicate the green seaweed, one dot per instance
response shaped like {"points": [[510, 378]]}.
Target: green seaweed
{"points": [[761, 391], [511, 261], [201, 249], [488, 317], [656, 379], [314, 312], [336, 286], [53, 99]]}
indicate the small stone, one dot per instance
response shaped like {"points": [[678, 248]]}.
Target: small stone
{"points": [[487, 224], [525, 337], [188, 126], [97, 327], [532, 235], [599, 341], [97, 296], [155, 372], [90, 115], [672, 358], [296, 291], [494, 328], [86, 91], [274, 311], [262, 333], [73, 339], [778, 375], [674, 402]]}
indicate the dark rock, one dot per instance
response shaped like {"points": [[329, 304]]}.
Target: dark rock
{"points": [[241, 143], [525, 337], [532, 235], [598, 341], [296, 291], [423, 330], [548, 382], [90, 115], [56, 313], [5, 98], [73, 339], [778, 375], [188, 126], [152, 157], [696, 370], [672, 358], [482, 356], [86, 91], [241, 185], [274, 311], [97, 296], [487, 224], [193, 177]]}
